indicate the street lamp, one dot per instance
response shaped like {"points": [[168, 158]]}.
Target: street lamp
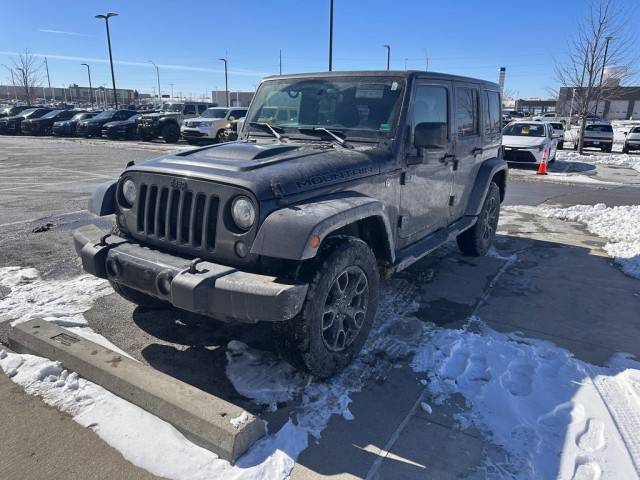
{"points": [[106, 18], [46, 66], [226, 81], [90, 87], [158, 76], [330, 35], [388, 47]]}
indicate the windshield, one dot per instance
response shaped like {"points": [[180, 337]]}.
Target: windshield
{"points": [[172, 107], [635, 130], [358, 106], [599, 128], [215, 113], [105, 115], [27, 112], [557, 126], [524, 130], [52, 114]]}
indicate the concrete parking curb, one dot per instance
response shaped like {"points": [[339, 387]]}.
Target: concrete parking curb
{"points": [[201, 417]]}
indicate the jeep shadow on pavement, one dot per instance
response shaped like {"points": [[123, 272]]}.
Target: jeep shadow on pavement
{"points": [[296, 222]]}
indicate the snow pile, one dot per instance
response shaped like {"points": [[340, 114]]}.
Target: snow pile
{"points": [[619, 225], [616, 159], [542, 406]]}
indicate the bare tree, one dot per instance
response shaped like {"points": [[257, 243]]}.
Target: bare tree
{"points": [[602, 39], [28, 72]]}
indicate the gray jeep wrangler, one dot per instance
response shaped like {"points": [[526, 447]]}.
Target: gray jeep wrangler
{"points": [[296, 221], [166, 123]]}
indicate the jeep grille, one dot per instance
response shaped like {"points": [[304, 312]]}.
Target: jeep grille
{"points": [[178, 216]]}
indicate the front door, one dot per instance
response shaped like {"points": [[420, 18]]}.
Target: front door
{"points": [[426, 181]]}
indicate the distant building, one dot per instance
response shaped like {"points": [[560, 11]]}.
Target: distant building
{"points": [[622, 103], [238, 99], [71, 94], [535, 106]]}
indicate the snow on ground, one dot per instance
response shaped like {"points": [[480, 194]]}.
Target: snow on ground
{"points": [[619, 225], [626, 160], [548, 411]]}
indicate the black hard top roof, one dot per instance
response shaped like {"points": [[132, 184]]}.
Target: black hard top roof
{"points": [[387, 73]]}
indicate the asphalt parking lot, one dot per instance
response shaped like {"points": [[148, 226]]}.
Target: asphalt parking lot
{"points": [[547, 279]]}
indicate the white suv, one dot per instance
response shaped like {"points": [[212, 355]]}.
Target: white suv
{"points": [[632, 142], [529, 142], [211, 125]]}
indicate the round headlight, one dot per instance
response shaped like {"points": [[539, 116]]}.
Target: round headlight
{"points": [[243, 213], [129, 191]]}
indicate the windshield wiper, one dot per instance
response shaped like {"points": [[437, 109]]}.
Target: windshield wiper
{"points": [[341, 141], [268, 127]]}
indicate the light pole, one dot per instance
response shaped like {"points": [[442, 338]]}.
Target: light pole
{"points": [[171, 85], [330, 35], [158, 76], [106, 18], [226, 81], [90, 87], [388, 47], [46, 66], [280, 61]]}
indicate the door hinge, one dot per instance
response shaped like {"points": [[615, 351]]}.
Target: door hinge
{"points": [[403, 178], [452, 200], [403, 220], [455, 165]]}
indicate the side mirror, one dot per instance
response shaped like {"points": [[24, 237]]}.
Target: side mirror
{"points": [[231, 118], [430, 135]]}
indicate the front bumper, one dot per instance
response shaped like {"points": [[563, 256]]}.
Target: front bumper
{"points": [[147, 129], [206, 288], [196, 133], [632, 144], [521, 155]]}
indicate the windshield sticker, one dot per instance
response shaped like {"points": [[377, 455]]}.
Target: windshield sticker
{"points": [[384, 127], [370, 91], [394, 86]]}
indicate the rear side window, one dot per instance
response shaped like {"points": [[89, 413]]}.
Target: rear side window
{"points": [[599, 128], [189, 109], [492, 115], [466, 111], [430, 111], [635, 130], [202, 108], [557, 126], [237, 113]]}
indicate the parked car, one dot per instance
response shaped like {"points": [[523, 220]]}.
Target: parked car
{"points": [[65, 128], [44, 124], [558, 133], [295, 223], [596, 135], [632, 140], [12, 125], [166, 123], [12, 111], [529, 142], [211, 125], [122, 129], [92, 127]]}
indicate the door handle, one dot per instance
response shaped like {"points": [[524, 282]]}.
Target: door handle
{"points": [[448, 158], [476, 151]]}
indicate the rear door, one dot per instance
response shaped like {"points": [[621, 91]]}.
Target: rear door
{"points": [[468, 145], [426, 180]]}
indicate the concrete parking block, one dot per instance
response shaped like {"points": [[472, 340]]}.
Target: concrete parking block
{"points": [[201, 417]]}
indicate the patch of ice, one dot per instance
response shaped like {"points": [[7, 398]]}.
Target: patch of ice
{"points": [[240, 420], [426, 407]]}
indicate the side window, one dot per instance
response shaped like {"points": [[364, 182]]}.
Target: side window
{"points": [[201, 108], [492, 112], [237, 114], [189, 110], [466, 111], [431, 115]]}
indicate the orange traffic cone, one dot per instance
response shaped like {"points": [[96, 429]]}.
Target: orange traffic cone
{"points": [[542, 169]]}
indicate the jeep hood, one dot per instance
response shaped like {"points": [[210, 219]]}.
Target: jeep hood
{"points": [[285, 168], [164, 114]]}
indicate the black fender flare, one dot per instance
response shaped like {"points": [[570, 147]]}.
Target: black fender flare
{"points": [[486, 173], [103, 199], [286, 232]]}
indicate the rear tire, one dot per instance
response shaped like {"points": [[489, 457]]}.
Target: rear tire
{"points": [[477, 240], [134, 296], [170, 133], [338, 312]]}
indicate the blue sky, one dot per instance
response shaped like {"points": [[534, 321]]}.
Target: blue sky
{"points": [[186, 38]]}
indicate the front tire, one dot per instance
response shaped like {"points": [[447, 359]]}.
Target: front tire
{"points": [[170, 133], [477, 240], [220, 136], [338, 312]]}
